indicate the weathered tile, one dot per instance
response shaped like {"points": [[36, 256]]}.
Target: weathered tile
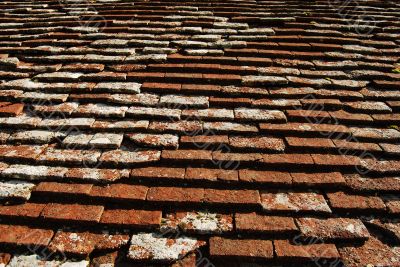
{"points": [[106, 140], [101, 110], [92, 174], [72, 213], [147, 112], [244, 114], [148, 100], [62, 188], [155, 140], [228, 127], [10, 109], [37, 260], [208, 114], [295, 202], [118, 87], [328, 179], [184, 102], [263, 80], [375, 134], [30, 172], [257, 223], [257, 143], [126, 157], [333, 228], [58, 76], [249, 249], [361, 255], [307, 252], [20, 152], [351, 202], [154, 247], [65, 124], [132, 218], [18, 235], [70, 156], [265, 177], [197, 222], [16, 190], [76, 140], [182, 127], [36, 137], [121, 125]]}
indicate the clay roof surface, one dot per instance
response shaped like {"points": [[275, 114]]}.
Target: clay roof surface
{"points": [[199, 133]]}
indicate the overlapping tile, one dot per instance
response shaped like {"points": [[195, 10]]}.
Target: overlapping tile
{"points": [[229, 132]]}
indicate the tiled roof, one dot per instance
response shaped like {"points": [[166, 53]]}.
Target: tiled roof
{"points": [[199, 133]]}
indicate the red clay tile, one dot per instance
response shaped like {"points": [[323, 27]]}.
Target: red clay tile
{"points": [[257, 223], [131, 218], [231, 197], [287, 159], [349, 202], [211, 174], [9, 109], [241, 249], [204, 141], [372, 184], [265, 177], [205, 80], [186, 155], [294, 202], [257, 143], [73, 243], [91, 174], [333, 229], [318, 253], [22, 211], [317, 143], [20, 152], [62, 188], [18, 235], [73, 213], [354, 256], [158, 173], [120, 192], [336, 160], [393, 206], [327, 180], [177, 195]]}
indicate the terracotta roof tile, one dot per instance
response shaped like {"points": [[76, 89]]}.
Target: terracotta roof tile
{"points": [[316, 252], [17, 235], [241, 249], [294, 202], [349, 202], [257, 223], [72, 213], [120, 192], [197, 222], [233, 122], [333, 228], [354, 256], [131, 218]]}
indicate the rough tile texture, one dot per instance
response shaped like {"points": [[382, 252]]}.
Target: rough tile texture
{"points": [[232, 133]]}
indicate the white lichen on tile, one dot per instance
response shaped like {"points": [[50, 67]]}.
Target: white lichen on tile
{"points": [[181, 102], [36, 260], [197, 222], [154, 247], [31, 172], [118, 87], [16, 189], [36, 137]]}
